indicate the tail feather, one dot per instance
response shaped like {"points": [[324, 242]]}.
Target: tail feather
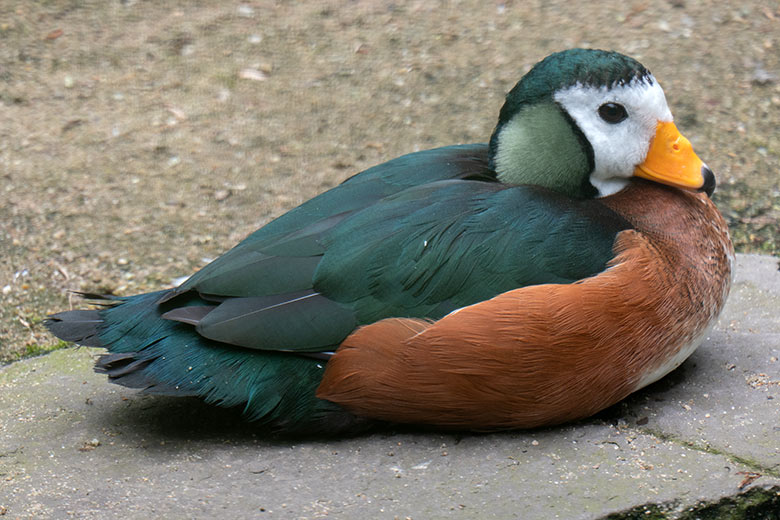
{"points": [[81, 327], [127, 370], [168, 357]]}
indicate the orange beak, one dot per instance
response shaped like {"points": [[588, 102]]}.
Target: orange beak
{"points": [[671, 160]]}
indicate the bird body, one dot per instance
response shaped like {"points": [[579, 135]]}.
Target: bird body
{"points": [[529, 281], [550, 353]]}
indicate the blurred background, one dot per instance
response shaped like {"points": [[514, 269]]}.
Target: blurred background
{"points": [[139, 139]]}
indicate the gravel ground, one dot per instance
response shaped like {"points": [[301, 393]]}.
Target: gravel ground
{"points": [[141, 139]]}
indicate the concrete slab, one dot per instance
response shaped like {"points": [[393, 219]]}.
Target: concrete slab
{"points": [[72, 445]]}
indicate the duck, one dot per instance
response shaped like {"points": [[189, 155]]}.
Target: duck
{"points": [[526, 282]]}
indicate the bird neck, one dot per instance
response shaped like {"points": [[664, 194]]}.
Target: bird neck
{"points": [[541, 145]]}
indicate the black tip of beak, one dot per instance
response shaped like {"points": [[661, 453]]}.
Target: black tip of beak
{"points": [[709, 181]]}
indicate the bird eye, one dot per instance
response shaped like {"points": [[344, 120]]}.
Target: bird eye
{"points": [[612, 113]]}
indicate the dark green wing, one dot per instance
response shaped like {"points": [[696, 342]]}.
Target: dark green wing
{"points": [[422, 252], [263, 287]]}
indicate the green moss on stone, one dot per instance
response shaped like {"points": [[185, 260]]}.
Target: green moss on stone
{"points": [[754, 504]]}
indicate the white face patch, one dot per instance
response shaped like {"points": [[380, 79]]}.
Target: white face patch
{"points": [[617, 148]]}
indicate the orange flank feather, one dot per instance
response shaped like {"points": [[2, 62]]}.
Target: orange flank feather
{"points": [[548, 354]]}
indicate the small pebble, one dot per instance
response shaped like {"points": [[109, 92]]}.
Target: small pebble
{"points": [[252, 74], [762, 77], [246, 11]]}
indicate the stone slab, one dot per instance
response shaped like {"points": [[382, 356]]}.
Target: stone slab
{"points": [[72, 445]]}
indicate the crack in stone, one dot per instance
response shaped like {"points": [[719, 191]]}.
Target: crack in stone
{"points": [[752, 464]]}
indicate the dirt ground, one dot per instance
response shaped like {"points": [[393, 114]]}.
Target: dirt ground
{"points": [[140, 139]]}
